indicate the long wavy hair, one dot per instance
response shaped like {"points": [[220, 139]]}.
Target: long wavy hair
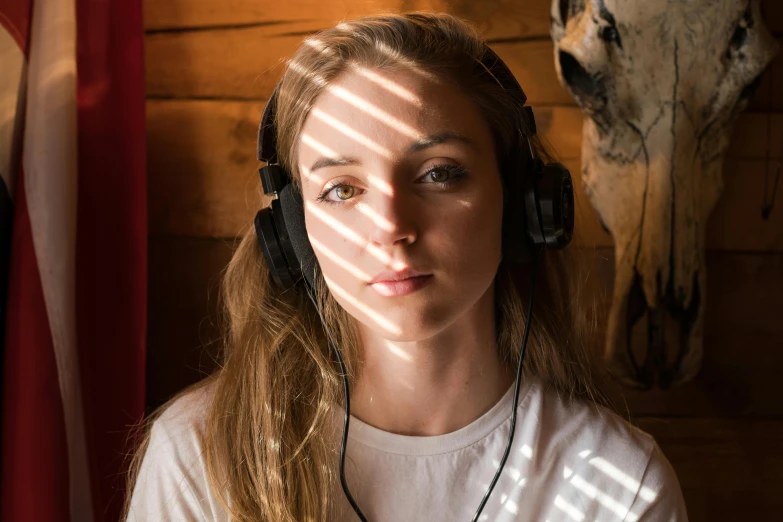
{"points": [[269, 442]]}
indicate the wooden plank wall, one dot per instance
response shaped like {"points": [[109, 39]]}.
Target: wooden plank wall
{"points": [[212, 63]]}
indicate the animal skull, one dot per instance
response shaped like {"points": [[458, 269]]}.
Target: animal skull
{"points": [[660, 83]]}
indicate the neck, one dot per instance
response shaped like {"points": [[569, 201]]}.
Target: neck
{"points": [[435, 385]]}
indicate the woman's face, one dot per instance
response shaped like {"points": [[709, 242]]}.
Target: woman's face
{"points": [[399, 173]]}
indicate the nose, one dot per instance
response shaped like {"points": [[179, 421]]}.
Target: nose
{"points": [[392, 218]]}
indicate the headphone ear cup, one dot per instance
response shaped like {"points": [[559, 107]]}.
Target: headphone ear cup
{"points": [[302, 251], [555, 192], [549, 205], [516, 248], [532, 210], [268, 237]]}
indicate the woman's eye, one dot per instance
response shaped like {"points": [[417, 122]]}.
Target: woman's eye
{"points": [[342, 191], [445, 174], [439, 175], [442, 175]]}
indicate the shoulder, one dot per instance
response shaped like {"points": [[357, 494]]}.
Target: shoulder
{"points": [[601, 451], [582, 423], [172, 481], [176, 438], [183, 420], [660, 496]]}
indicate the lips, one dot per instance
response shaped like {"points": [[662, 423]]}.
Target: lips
{"points": [[393, 277], [401, 287]]}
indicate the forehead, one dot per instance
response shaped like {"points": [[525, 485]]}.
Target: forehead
{"points": [[376, 114]]}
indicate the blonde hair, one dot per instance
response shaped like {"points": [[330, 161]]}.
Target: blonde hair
{"points": [[269, 451]]}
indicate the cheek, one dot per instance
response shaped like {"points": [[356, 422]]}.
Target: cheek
{"points": [[471, 233], [333, 248]]}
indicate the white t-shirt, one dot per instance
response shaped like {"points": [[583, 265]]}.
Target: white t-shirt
{"points": [[571, 463]]}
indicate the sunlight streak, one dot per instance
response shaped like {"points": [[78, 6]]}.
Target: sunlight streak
{"points": [[353, 237], [510, 506], [527, 451], [338, 227], [318, 146], [318, 45], [374, 111], [568, 509], [620, 477], [314, 178], [351, 133], [340, 261], [310, 75], [380, 184], [389, 85], [515, 473], [605, 500], [396, 350], [372, 314], [375, 217]]}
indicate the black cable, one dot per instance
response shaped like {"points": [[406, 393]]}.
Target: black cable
{"points": [[347, 492], [347, 419], [536, 256]]}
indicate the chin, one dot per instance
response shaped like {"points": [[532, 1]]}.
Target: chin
{"points": [[409, 320]]}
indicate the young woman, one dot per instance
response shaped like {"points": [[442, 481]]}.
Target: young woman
{"points": [[403, 146]]}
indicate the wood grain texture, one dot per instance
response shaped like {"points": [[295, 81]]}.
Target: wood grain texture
{"points": [[773, 15], [183, 318], [204, 180], [246, 63], [496, 19], [515, 17], [769, 95], [729, 470], [203, 177]]}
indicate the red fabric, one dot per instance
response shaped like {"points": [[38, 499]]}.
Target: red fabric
{"points": [[15, 18], [35, 463], [110, 285], [111, 245], [34, 478]]}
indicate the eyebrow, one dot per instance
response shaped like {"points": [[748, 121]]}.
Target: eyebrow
{"points": [[416, 146]]}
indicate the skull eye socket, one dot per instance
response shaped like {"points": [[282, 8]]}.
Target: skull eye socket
{"points": [[609, 34], [739, 37], [564, 7]]}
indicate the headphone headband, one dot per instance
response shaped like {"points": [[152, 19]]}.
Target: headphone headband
{"points": [[267, 137]]}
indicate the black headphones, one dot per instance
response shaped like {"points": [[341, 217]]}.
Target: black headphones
{"points": [[547, 222], [548, 196]]}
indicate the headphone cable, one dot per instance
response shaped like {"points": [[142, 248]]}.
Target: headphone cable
{"points": [[346, 421], [347, 418], [536, 256]]}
